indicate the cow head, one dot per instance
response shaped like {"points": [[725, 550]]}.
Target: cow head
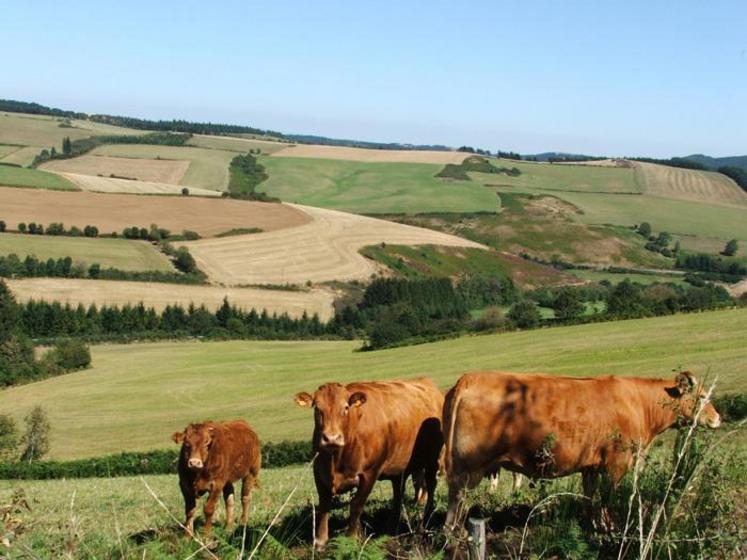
{"points": [[332, 405], [196, 440], [689, 394]]}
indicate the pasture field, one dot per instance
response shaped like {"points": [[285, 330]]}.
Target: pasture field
{"points": [[155, 170], [45, 132], [116, 253], [552, 177], [159, 295], [235, 144], [12, 176], [208, 168], [372, 188], [346, 153], [114, 212], [125, 186], [615, 278], [689, 184], [326, 248], [6, 149], [136, 395], [21, 156]]}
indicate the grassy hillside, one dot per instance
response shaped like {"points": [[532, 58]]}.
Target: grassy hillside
{"points": [[234, 144], [372, 187], [12, 176], [136, 395], [116, 253], [430, 260]]}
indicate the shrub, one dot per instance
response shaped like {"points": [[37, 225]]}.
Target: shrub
{"points": [[732, 408], [71, 354], [8, 438], [185, 191], [35, 441], [731, 248], [2, 226], [525, 314]]}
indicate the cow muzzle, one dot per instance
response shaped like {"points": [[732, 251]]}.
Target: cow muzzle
{"points": [[714, 422], [195, 464], [332, 440]]}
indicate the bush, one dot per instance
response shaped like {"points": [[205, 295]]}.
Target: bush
{"points": [[732, 408], [185, 191], [71, 355], [525, 314], [731, 248], [35, 441], [2, 226], [8, 438]]}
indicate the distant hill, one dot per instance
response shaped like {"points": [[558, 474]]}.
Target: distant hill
{"points": [[560, 156], [715, 163]]}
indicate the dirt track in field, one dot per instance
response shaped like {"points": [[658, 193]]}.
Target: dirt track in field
{"points": [[123, 186], [154, 170], [689, 184], [159, 295], [114, 212], [324, 249], [366, 155]]}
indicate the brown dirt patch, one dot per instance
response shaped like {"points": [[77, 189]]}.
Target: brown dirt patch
{"points": [[376, 156], [114, 212], [158, 295]]}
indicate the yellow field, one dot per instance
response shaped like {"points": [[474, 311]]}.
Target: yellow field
{"points": [[155, 170], [689, 184], [159, 295], [234, 144], [371, 156], [124, 186], [114, 212], [324, 249]]}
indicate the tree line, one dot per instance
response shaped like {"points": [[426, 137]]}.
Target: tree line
{"points": [[246, 173]]}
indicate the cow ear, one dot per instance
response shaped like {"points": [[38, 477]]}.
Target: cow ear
{"points": [[685, 382], [357, 399], [177, 437], [304, 399]]}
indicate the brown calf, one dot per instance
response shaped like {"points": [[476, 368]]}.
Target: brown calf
{"points": [[213, 456], [546, 426], [364, 432]]}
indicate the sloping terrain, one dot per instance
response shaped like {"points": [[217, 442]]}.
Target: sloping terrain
{"points": [[125, 186], [367, 155], [11, 176], [114, 212], [689, 184], [235, 144], [159, 295], [155, 170], [326, 248], [115, 405]]}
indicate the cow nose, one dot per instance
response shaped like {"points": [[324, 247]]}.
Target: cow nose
{"points": [[194, 464], [716, 422], [333, 440]]}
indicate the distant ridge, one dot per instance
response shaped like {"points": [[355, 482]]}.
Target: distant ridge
{"points": [[715, 163]]}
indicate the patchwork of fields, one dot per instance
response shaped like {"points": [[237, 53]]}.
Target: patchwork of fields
{"points": [[11, 176], [370, 156], [131, 388], [116, 253], [325, 248], [155, 170], [125, 186], [159, 295]]}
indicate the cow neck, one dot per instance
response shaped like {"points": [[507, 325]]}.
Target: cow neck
{"points": [[662, 410]]}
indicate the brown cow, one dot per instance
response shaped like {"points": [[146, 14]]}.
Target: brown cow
{"points": [[546, 426], [214, 455], [369, 431]]}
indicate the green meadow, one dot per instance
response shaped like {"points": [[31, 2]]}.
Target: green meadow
{"points": [[373, 188], [11, 176]]}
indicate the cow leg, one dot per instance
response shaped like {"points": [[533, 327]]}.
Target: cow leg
{"points": [[247, 484], [210, 504], [518, 480], [190, 509], [590, 484], [365, 486], [431, 480], [398, 490], [322, 523], [228, 496], [456, 499]]}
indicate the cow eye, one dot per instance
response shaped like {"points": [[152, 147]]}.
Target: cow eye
{"points": [[346, 409]]}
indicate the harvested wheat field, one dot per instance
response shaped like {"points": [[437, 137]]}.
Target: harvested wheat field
{"points": [[155, 170], [111, 185], [372, 156], [598, 163], [114, 212], [159, 295], [324, 249], [689, 184]]}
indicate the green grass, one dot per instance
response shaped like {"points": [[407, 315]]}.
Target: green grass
{"points": [[116, 253], [615, 278], [208, 168], [372, 187], [11, 176], [544, 177], [136, 395]]}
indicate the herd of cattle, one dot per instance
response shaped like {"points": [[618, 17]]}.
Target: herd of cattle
{"points": [[541, 426]]}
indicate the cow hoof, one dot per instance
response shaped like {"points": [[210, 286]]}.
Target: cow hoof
{"points": [[319, 546]]}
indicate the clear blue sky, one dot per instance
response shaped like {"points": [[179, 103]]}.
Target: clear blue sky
{"points": [[650, 77]]}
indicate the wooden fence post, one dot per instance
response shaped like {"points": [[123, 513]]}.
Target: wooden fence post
{"points": [[477, 545]]}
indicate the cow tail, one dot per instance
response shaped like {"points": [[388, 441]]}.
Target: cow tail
{"points": [[451, 404]]}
